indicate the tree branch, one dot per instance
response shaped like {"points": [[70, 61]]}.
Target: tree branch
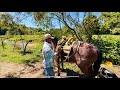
{"points": [[69, 26]]}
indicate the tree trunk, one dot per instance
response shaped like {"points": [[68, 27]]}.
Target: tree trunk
{"points": [[24, 48], [2, 44]]}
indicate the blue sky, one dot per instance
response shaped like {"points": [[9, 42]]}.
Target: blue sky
{"points": [[29, 21]]}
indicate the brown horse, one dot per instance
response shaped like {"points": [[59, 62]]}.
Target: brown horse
{"points": [[61, 55], [86, 56]]}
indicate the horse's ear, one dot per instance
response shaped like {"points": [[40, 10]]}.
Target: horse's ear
{"points": [[55, 38]]}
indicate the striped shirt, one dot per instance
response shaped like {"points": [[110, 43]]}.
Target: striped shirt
{"points": [[48, 55]]}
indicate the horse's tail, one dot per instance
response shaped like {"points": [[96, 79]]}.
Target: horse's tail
{"points": [[96, 65]]}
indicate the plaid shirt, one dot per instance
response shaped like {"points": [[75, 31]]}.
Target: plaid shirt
{"points": [[48, 55]]}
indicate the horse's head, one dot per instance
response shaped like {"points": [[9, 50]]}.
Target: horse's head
{"points": [[71, 55], [59, 48], [55, 41]]}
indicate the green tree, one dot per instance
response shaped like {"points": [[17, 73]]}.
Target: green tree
{"points": [[111, 21], [91, 26], [6, 21], [71, 20]]}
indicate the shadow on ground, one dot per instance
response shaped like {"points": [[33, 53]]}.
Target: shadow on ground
{"points": [[72, 74]]}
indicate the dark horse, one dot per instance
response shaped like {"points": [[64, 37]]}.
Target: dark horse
{"points": [[61, 55], [86, 56]]}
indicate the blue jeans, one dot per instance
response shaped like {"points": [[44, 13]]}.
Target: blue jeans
{"points": [[49, 72]]}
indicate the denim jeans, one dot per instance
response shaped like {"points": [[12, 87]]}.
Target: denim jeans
{"points": [[49, 72]]}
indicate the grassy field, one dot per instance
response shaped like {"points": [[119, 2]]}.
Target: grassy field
{"points": [[33, 52], [109, 44]]}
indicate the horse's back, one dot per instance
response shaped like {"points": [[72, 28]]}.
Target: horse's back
{"points": [[88, 50], [87, 53]]}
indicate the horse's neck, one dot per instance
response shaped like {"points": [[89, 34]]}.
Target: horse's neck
{"points": [[77, 43]]}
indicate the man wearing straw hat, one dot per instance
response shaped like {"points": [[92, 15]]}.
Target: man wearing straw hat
{"points": [[48, 55]]}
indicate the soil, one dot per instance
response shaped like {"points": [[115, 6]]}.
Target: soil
{"points": [[14, 70], [35, 70]]}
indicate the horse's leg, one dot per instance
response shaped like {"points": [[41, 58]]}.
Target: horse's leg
{"points": [[63, 54], [96, 65], [62, 63], [62, 69], [90, 72], [86, 72], [58, 66]]}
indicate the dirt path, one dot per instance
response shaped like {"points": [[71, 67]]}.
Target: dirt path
{"points": [[9, 69], [13, 70]]}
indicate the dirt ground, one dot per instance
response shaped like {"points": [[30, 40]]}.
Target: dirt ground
{"points": [[13, 70]]}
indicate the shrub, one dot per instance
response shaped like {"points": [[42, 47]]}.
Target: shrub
{"points": [[3, 31], [115, 31], [107, 31], [110, 46]]}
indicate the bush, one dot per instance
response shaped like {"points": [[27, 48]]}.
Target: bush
{"points": [[115, 31], [110, 46], [3, 31], [107, 31]]}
